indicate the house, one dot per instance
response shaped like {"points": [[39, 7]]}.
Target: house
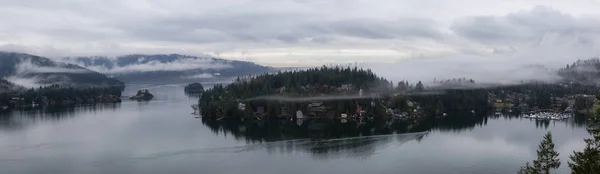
{"points": [[345, 87], [281, 90], [242, 106]]}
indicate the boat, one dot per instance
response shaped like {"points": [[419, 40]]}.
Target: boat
{"points": [[299, 115]]}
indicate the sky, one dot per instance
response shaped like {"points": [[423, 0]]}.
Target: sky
{"points": [[288, 33]]}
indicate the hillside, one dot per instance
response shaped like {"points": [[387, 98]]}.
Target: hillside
{"points": [[33, 71], [347, 83], [6, 86], [168, 68], [582, 71]]}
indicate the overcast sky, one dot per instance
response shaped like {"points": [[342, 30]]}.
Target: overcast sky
{"points": [[306, 32]]}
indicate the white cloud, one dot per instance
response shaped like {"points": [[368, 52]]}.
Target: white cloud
{"points": [[28, 67], [305, 32], [201, 76], [154, 65], [27, 73]]}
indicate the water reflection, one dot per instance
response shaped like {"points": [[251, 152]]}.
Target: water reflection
{"points": [[19, 119], [322, 138], [335, 138], [462, 121]]}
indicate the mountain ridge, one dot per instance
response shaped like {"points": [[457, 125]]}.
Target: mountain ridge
{"points": [[167, 67], [34, 71]]}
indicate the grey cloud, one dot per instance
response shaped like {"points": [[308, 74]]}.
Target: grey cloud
{"points": [[305, 29], [111, 65], [533, 27], [280, 27]]}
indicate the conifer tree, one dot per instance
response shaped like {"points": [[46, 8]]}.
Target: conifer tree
{"points": [[588, 160], [547, 158]]}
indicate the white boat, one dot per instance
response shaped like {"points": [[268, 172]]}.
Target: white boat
{"points": [[299, 115]]}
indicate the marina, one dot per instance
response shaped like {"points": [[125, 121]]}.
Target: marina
{"points": [[548, 116]]}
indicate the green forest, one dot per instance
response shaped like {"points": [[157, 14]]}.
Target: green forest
{"points": [[56, 95], [350, 91], [341, 91]]}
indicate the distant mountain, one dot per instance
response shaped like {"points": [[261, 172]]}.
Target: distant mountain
{"points": [[32, 71], [582, 71], [168, 68]]}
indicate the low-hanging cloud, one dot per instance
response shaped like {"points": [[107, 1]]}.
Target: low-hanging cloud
{"points": [[201, 76], [28, 67], [154, 65], [494, 69], [28, 73]]}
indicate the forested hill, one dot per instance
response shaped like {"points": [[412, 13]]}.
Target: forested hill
{"points": [[310, 82], [582, 71], [303, 82], [168, 67], [38, 71], [6, 86]]}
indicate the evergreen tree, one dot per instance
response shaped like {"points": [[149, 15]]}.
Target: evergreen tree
{"points": [[588, 160], [419, 87], [547, 158]]}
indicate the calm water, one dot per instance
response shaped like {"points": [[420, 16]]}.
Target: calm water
{"points": [[161, 136]]}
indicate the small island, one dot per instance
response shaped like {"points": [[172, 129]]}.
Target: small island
{"points": [[142, 95], [194, 88]]}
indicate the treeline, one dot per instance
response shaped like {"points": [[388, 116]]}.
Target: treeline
{"points": [[224, 100], [379, 97], [194, 88], [541, 95], [56, 95]]}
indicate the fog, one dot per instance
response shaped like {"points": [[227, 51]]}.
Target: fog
{"points": [[201, 76], [28, 67], [27, 74], [499, 69], [181, 64], [335, 97]]}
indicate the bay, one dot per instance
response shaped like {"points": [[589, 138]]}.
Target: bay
{"points": [[162, 136]]}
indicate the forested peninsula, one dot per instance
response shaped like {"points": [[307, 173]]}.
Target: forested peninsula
{"points": [[331, 92], [345, 92]]}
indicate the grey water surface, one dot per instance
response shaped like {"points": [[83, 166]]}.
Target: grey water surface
{"points": [[161, 136]]}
